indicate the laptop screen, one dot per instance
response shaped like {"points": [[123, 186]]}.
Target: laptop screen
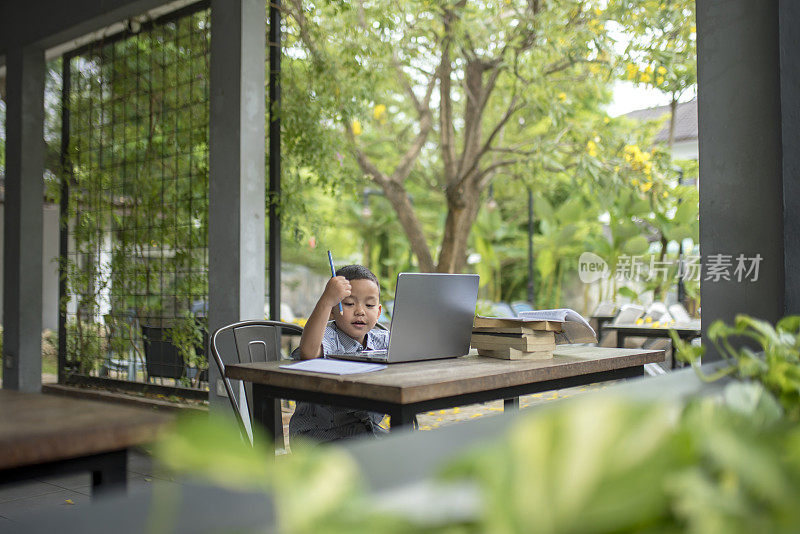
{"points": [[432, 316]]}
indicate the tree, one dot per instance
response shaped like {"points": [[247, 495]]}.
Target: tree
{"points": [[662, 49], [449, 94]]}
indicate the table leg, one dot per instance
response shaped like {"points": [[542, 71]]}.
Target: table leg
{"points": [[400, 418], [267, 415], [621, 340], [110, 473], [511, 404]]}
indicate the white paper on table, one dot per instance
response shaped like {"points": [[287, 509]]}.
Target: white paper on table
{"points": [[334, 367]]}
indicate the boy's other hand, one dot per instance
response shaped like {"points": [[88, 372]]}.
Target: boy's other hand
{"points": [[337, 289]]}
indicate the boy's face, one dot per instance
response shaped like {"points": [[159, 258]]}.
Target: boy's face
{"points": [[361, 309]]}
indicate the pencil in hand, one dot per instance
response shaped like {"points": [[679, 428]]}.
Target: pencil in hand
{"points": [[333, 273]]}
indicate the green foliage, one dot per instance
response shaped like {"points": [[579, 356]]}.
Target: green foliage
{"points": [[138, 183], [86, 346], [316, 489], [775, 362], [663, 43], [725, 464], [186, 333]]}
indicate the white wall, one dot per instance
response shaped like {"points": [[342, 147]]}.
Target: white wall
{"points": [[49, 266]]}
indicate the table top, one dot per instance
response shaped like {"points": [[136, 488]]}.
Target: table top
{"points": [[407, 383], [38, 428], [693, 327]]}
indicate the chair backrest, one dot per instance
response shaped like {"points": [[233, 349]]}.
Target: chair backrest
{"points": [[628, 314], [679, 313], [162, 358], [255, 341]]}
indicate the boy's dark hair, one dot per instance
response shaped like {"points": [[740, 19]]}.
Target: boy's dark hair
{"points": [[358, 272]]}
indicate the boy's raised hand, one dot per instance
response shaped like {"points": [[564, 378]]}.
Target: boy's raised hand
{"points": [[336, 289]]}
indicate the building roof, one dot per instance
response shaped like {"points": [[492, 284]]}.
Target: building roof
{"points": [[685, 123]]}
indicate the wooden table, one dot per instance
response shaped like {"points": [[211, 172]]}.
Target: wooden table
{"points": [[406, 389], [685, 332], [44, 435]]}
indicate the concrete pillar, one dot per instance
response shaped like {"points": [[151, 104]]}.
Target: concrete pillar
{"points": [[236, 158], [789, 44], [22, 244], [741, 157]]}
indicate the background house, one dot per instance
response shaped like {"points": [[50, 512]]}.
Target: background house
{"points": [[686, 132]]}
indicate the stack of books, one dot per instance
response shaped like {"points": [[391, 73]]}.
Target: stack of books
{"points": [[514, 339], [531, 336]]}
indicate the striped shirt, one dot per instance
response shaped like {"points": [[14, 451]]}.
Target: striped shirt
{"points": [[319, 422]]}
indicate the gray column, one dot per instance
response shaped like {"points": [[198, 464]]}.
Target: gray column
{"points": [[789, 20], [22, 244], [236, 157], [741, 188]]}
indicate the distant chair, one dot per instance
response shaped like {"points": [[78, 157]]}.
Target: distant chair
{"points": [[252, 341], [604, 309], [164, 360], [657, 311], [628, 314], [679, 313]]}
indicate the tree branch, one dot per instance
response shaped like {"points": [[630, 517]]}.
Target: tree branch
{"points": [[446, 101]]}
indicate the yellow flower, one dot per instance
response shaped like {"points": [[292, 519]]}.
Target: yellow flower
{"points": [[659, 80], [379, 111], [606, 120], [598, 11], [356, 128], [646, 78], [632, 70], [648, 69], [591, 148], [562, 96], [639, 321], [616, 168], [634, 182], [662, 70], [648, 319], [645, 187], [664, 194], [655, 324], [693, 29]]}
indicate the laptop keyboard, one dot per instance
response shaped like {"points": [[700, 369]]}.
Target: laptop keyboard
{"points": [[363, 356]]}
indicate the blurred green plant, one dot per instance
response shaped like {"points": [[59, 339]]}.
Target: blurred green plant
{"points": [[315, 489], [775, 362], [728, 463]]}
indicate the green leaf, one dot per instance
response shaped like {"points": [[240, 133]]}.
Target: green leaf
{"points": [[627, 292], [636, 245]]}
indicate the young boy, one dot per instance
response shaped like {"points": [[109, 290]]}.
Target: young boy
{"points": [[352, 330]]}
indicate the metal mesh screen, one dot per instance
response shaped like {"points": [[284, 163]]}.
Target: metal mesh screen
{"points": [[136, 190]]}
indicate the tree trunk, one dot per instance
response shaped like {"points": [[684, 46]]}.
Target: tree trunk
{"points": [[398, 198], [463, 205], [673, 109]]}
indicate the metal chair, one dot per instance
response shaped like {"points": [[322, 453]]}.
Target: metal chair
{"points": [[254, 341]]}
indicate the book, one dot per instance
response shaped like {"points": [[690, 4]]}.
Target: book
{"points": [[514, 329], [535, 341], [514, 354], [513, 324], [574, 328]]}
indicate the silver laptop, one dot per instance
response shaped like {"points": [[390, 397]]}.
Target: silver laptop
{"points": [[432, 318]]}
